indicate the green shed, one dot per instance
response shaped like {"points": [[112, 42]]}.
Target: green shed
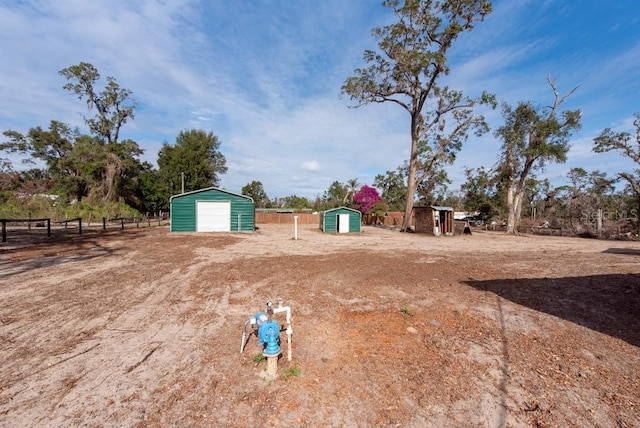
{"points": [[212, 210], [340, 220]]}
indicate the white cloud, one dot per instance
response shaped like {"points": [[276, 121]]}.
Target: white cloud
{"points": [[311, 165]]}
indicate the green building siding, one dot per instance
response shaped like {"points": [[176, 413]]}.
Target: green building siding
{"points": [[329, 220], [242, 215], [183, 209]]}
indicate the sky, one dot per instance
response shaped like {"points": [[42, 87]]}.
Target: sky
{"points": [[265, 77]]}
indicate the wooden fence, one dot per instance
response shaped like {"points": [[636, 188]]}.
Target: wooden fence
{"points": [[286, 218], [4, 222]]}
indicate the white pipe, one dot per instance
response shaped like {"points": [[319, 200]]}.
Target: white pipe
{"points": [[289, 332], [250, 321], [295, 227], [286, 309], [283, 309]]}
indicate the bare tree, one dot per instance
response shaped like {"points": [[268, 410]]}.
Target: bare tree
{"points": [[532, 137]]}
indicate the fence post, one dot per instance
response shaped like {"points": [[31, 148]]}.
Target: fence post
{"points": [[4, 231], [48, 227], [80, 226], [122, 223], [104, 223]]}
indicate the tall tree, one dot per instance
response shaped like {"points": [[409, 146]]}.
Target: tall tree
{"points": [[628, 146], [195, 158], [407, 70], [255, 190], [114, 106], [532, 137]]}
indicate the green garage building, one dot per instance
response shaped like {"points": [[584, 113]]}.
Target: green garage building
{"points": [[212, 210], [340, 220]]}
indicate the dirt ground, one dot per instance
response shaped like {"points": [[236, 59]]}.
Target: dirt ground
{"points": [[143, 328]]}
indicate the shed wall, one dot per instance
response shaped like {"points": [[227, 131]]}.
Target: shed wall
{"points": [[329, 220], [426, 219]]}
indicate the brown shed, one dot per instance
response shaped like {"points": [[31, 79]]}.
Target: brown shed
{"points": [[435, 220]]}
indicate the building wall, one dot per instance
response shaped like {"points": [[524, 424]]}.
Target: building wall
{"points": [[183, 210]]}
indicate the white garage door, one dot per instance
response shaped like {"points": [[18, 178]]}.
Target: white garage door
{"points": [[213, 216]]}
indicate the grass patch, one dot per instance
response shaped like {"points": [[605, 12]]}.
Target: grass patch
{"points": [[259, 359], [287, 373]]}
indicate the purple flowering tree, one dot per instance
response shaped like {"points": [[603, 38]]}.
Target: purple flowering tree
{"points": [[366, 199]]}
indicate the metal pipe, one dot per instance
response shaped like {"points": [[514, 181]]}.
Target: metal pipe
{"points": [[269, 310], [244, 334]]}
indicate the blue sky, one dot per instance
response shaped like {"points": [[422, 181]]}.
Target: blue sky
{"points": [[265, 77]]}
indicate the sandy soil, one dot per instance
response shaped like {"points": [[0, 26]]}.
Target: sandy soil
{"points": [[142, 327]]}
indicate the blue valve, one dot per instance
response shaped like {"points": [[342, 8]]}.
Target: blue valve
{"points": [[269, 333], [272, 345]]}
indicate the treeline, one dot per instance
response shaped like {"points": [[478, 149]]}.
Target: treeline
{"points": [[99, 174], [99, 170]]}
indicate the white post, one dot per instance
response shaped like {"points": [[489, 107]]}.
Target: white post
{"points": [[239, 222], [295, 227]]}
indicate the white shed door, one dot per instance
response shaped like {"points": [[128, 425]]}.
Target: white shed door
{"points": [[213, 216], [343, 223]]}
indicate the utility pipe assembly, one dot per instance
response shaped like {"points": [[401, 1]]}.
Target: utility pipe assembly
{"points": [[268, 330]]}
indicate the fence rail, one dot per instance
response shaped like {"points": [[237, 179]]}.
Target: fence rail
{"points": [[4, 222], [21, 229]]}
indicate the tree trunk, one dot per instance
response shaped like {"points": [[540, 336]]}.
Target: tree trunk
{"points": [[411, 190], [514, 202], [638, 220], [512, 213], [599, 223], [411, 179], [519, 199]]}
